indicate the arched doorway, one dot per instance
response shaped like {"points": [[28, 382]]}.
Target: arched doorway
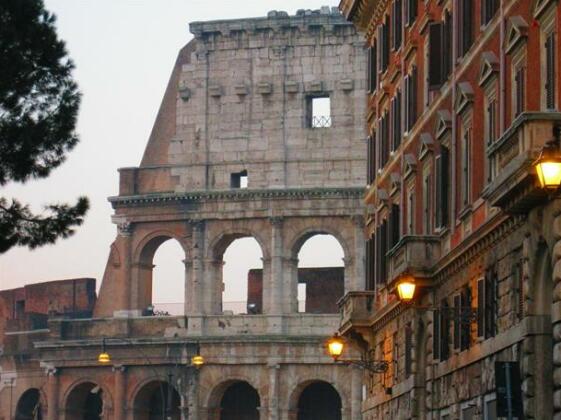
{"points": [[157, 400], [321, 273], [319, 401], [240, 401], [161, 275], [29, 406], [85, 402]]}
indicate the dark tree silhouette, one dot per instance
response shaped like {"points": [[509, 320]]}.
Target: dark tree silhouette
{"points": [[39, 103]]}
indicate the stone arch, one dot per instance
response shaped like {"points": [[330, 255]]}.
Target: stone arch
{"points": [[299, 392], [151, 396], [30, 405], [214, 263], [218, 245], [86, 397], [294, 247], [143, 257], [215, 400]]}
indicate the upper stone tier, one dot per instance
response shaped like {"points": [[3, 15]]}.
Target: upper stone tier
{"points": [[277, 21]]}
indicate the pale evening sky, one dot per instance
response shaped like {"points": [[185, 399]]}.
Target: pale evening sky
{"points": [[124, 51]]}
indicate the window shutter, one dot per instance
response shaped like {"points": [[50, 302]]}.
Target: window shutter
{"points": [[414, 84], [444, 184], [444, 331], [465, 332], [550, 71], [408, 349], [394, 225], [369, 166], [436, 334], [466, 30], [378, 253], [407, 92], [369, 71], [457, 321], [384, 250], [398, 119], [411, 11], [520, 90], [438, 201], [446, 46], [370, 259], [398, 25], [435, 56], [481, 308]]}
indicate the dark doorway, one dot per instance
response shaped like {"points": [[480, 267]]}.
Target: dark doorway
{"points": [[240, 402], [29, 406], [85, 402], [157, 400], [319, 401]]}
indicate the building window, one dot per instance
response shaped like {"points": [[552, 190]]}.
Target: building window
{"points": [[394, 226], [383, 139], [435, 74], [447, 57], [462, 322], [443, 323], [238, 179], [549, 87], [319, 111], [371, 162], [490, 407], [411, 99], [490, 132], [384, 47], [466, 24], [395, 358], [381, 251], [442, 183], [487, 306], [410, 11], [427, 208], [396, 24], [370, 261], [411, 211], [396, 121], [519, 91], [488, 10], [372, 69], [466, 170]]}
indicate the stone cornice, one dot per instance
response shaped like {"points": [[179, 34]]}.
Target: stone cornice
{"points": [[240, 195]]}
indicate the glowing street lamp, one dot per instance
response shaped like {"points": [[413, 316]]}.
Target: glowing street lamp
{"points": [[335, 346], [103, 357], [548, 164], [406, 288]]}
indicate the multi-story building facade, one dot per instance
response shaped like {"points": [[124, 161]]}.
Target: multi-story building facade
{"points": [[462, 96], [238, 149]]}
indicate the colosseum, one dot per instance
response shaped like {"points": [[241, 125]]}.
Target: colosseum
{"points": [[239, 149]]}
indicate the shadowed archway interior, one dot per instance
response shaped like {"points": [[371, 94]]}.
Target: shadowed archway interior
{"points": [[29, 406], [85, 402], [319, 401], [240, 402], [156, 401]]}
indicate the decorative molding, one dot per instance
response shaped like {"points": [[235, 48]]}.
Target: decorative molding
{"points": [[489, 67], [125, 228], [410, 165], [517, 31], [426, 146], [232, 195], [540, 7], [443, 123], [395, 180], [464, 96]]}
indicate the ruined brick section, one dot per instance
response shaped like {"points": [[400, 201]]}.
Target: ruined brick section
{"points": [[324, 288]]}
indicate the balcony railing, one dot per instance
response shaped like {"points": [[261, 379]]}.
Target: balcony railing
{"points": [[356, 309], [514, 187], [415, 255]]}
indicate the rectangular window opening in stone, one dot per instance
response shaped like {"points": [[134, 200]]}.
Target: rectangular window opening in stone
{"points": [[319, 111], [301, 297], [239, 180]]}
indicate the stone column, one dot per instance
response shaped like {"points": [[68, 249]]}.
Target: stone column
{"points": [[125, 235], [273, 285], [357, 277], [52, 394], [190, 292], [274, 373], [192, 402], [120, 391], [290, 286], [356, 393], [213, 286], [197, 269]]}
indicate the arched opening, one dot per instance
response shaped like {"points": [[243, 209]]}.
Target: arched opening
{"points": [[321, 273], [162, 277], [240, 401], [85, 402], [29, 406], [157, 400], [319, 401], [242, 277]]}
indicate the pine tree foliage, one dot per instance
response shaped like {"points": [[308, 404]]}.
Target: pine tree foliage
{"points": [[39, 103]]}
